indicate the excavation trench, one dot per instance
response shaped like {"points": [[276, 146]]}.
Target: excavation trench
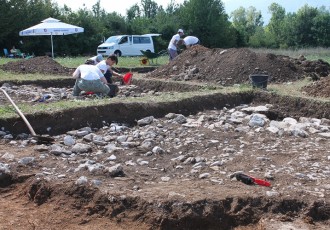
{"points": [[140, 199], [158, 212], [129, 113]]}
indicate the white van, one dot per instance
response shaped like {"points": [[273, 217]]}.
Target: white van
{"points": [[127, 45]]}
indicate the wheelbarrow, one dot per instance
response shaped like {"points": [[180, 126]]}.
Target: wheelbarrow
{"points": [[151, 56], [40, 139]]}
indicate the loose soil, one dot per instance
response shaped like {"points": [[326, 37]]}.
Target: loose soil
{"points": [[43, 65], [141, 199], [234, 66]]}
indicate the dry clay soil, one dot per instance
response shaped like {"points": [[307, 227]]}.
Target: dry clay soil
{"points": [[141, 199]]}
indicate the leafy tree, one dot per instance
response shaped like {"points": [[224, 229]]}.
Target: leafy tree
{"points": [[239, 21], [133, 12], [208, 21], [247, 22], [321, 27], [304, 24], [149, 8], [262, 38], [276, 23]]}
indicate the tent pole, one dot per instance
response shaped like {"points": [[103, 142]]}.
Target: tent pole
{"points": [[51, 38]]}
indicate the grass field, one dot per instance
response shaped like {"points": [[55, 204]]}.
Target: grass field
{"points": [[310, 54], [128, 62]]}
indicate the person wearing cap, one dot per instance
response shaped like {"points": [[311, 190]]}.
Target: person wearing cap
{"points": [[173, 46], [109, 62], [94, 60], [189, 41], [90, 79]]}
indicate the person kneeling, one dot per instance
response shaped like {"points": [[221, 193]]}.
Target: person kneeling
{"points": [[91, 79]]}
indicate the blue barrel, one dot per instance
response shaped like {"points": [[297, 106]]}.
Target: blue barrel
{"points": [[259, 80]]}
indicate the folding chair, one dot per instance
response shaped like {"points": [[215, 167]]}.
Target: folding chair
{"points": [[7, 54]]}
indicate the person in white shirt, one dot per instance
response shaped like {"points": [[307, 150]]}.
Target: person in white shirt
{"points": [[94, 60], [109, 62], [190, 41], [90, 79], [173, 45]]}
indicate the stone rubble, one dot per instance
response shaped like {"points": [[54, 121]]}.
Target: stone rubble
{"points": [[208, 146], [38, 94]]}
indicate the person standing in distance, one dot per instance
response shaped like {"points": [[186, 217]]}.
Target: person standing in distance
{"points": [[173, 45]]}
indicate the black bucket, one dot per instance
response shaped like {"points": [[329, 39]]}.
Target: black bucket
{"points": [[259, 80]]}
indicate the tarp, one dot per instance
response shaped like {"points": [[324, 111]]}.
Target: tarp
{"points": [[51, 26]]}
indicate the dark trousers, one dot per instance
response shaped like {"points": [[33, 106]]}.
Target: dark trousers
{"points": [[108, 76]]}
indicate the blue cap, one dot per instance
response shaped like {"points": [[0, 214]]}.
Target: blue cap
{"points": [[99, 57]]}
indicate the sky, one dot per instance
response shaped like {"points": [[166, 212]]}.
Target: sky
{"points": [[230, 5]]}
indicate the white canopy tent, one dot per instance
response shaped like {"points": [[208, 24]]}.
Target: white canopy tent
{"points": [[51, 26]]}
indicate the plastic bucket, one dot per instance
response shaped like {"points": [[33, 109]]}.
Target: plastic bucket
{"points": [[259, 80], [127, 78]]}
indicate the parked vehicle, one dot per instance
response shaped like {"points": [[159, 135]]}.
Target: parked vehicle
{"points": [[127, 45]]}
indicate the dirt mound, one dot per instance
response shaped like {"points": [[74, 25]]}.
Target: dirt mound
{"points": [[314, 69], [319, 88], [43, 65], [233, 66]]}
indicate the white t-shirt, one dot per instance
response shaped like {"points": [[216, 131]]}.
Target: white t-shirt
{"points": [[190, 40], [176, 38], [102, 65], [88, 72]]}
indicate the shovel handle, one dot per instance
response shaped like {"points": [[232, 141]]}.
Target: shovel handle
{"points": [[20, 113]]}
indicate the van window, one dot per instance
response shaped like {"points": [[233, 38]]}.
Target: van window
{"points": [[123, 40], [141, 40], [113, 39]]}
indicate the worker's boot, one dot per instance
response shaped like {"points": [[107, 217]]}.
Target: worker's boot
{"points": [[113, 90]]}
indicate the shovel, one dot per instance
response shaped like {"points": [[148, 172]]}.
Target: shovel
{"points": [[40, 139]]}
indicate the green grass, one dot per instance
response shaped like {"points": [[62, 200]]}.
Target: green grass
{"points": [[8, 111], [4, 76], [127, 62], [293, 89], [309, 53]]}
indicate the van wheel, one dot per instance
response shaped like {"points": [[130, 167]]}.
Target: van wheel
{"points": [[117, 53]]}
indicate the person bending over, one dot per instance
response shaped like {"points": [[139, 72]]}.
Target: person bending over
{"points": [[190, 41], [91, 79]]}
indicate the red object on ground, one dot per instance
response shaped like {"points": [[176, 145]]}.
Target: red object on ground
{"points": [[127, 78], [261, 182], [89, 93]]}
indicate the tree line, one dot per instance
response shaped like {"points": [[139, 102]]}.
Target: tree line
{"points": [[205, 19]]}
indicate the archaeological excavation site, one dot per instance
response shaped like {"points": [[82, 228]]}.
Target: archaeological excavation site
{"points": [[193, 144]]}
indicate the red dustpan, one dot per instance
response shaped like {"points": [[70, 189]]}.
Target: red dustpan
{"points": [[127, 78]]}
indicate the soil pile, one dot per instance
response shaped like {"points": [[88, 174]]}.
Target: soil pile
{"points": [[314, 69], [319, 88], [233, 66], [228, 67], [42, 65]]}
